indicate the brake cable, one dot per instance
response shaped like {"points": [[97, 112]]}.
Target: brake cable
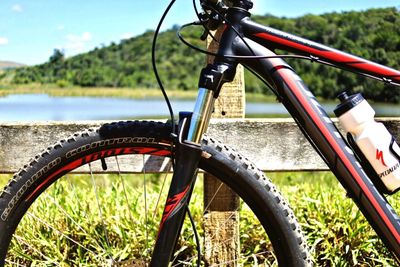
{"points": [[171, 113], [154, 64], [310, 57]]}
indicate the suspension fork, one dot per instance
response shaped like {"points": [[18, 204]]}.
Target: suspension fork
{"points": [[187, 156]]}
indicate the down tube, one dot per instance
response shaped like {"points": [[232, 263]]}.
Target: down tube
{"points": [[329, 143]]}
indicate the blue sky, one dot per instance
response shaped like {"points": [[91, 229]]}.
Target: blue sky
{"points": [[31, 29]]}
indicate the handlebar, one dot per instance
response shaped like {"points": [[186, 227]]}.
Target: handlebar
{"points": [[215, 9], [245, 4]]}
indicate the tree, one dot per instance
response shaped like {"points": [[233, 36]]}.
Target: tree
{"points": [[373, 34], [57, 57]]}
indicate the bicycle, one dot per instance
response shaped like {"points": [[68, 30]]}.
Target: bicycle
{"points": [[185, 147]]}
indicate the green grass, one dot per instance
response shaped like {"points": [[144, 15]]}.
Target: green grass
{"points": [[53, 90], [336, 231], [135, 93]]}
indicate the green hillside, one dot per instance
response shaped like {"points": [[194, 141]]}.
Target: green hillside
{"points": [[373, 34]]}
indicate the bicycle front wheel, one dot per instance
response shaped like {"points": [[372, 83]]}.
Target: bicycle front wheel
{"points": [[83, 202]]}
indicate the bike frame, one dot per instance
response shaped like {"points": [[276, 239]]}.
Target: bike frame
{"points": [[259, 40]]}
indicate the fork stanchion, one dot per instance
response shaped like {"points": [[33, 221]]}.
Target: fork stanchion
{"points": [[221, 219]]}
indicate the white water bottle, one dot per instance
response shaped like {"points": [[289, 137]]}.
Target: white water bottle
{"points": [[378, 146]]}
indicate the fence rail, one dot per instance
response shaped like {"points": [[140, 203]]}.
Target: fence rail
{"points": [[272, 144]]}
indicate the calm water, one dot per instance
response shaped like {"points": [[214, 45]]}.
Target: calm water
{"points": [[40, 107]]}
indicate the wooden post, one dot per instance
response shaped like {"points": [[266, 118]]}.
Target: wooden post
{"points": [[221, 218]]}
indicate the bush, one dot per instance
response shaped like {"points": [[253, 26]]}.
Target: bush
{"points": [[62, 83]]}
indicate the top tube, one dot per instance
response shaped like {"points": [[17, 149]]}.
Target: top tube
{"points": [[270, 37]]}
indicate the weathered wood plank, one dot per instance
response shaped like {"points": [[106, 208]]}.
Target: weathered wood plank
{"points": [[276, 144], [272, 144], [21, 142]]}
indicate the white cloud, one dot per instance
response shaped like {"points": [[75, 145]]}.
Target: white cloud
{"points": [[86, 36], [126, 35], [3, 40], [17, 8], [76, 43]]}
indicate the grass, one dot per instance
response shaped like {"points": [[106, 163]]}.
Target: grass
{"points": [[53, 90], [337, 232], [135, 93]]}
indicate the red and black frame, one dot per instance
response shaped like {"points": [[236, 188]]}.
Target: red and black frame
{"points": [[246, 42]]}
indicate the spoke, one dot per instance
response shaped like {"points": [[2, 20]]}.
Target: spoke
{"points": [[125, 194], [213, 197], [65, 212], [73, 189], [225, 262], [145, 203], [168, 167], [101, 214], [226, 240], [21, 240], [216, 230], [195, 257], [55, 202], [60, 233]]}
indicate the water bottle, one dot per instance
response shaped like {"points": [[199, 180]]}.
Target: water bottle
{"points": [[374, 141]]}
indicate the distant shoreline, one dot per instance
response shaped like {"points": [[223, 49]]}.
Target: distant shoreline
{"points": [[4, 65], [133, 93]]}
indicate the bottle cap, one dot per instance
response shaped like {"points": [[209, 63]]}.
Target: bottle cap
{"points": [[347, 103]]}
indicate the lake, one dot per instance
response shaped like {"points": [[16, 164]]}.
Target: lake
{"points": [[42, 107]]}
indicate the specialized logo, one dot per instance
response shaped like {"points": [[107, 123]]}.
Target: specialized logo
{"points": [[379, 156], [390, 170]]}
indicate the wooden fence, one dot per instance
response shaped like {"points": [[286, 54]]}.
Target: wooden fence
{"points": [[272, 144]]}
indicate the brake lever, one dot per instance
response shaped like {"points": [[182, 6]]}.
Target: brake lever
{"points": [[204, 35], [211, 20]]}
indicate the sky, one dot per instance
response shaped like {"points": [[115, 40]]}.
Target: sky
{"points": [[30, 30]]}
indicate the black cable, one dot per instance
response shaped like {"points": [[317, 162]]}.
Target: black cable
{"points": [[244, 41], [233, 28], [153, 61], [262, 80], [203, 24], [196, 236], [171, 112], [196, 11], [232, 56], [311, 58]]}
